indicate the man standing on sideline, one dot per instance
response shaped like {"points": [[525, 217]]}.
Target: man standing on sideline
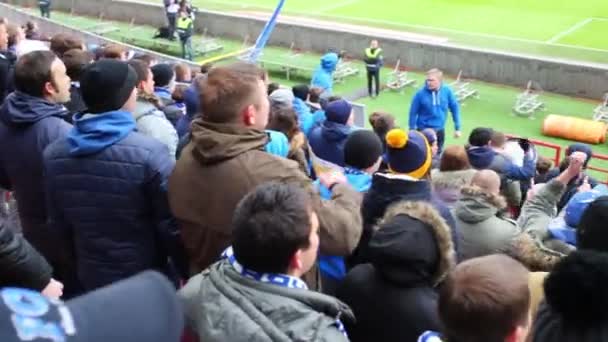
{"points": [[45, 8], [172, 10], [185, 28], [373, 63], [430, 107]]}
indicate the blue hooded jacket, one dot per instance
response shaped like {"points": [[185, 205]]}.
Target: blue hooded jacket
{"points": [[108, 199], [277, 144], [191, 100], [327, 141], [429, 109], [28, 125], [305, 118], [485, 157], [331, 265], [163, 93], [323, 75]]}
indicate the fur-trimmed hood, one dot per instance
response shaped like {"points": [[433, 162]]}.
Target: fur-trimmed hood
{"points": [[451, 179], [412, 244], [476, 205]]}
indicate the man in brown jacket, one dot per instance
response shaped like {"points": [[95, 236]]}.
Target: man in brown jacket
{"points": [[226, 159]]}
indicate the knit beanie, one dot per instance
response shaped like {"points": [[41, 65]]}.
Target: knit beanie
{"points": [[338, 111], [163, 74], [362, 149], [107, 85], [430, 135], [591, 231], [300, 91], [575, 300], [408, 153], [282, 98]]}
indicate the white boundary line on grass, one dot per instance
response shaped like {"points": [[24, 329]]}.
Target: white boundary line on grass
{"points": [[416, 26], [335, 6], [570, 30]]}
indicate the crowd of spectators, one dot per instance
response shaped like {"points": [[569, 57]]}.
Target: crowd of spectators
{"points": [[165, 203]]}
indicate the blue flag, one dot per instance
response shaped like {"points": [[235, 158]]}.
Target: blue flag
{"points": [[265, 35]]}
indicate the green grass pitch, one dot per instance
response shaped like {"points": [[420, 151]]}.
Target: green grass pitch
{"points": [[554, 28]]}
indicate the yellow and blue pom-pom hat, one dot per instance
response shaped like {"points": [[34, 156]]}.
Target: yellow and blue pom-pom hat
{"points": [[408, 153]]}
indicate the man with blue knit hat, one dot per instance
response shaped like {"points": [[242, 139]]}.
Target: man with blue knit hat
{"points": [[362, 157], [430, 107], [327, 140], [323, 75], [409, 163], [107, 198]]}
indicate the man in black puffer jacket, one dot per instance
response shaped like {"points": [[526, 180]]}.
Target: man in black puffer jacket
{"points": [[394, 296], [22, 266]]}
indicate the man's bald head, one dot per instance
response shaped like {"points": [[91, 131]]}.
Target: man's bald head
{"points": [[487, 180]]}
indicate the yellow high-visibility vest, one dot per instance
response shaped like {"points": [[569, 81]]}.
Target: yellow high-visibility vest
{"points": [[373, 54], [183, 23]]}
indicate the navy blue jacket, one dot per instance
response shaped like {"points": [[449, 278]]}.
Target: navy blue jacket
{"points": [[486, 158], [27, 126], [108, 200], [387, 190], [327, 141]]}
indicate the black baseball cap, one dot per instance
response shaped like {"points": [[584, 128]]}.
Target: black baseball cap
{"points": [[143, 308]]}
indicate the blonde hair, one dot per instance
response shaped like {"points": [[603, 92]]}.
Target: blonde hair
{"points": [[435, 72]]}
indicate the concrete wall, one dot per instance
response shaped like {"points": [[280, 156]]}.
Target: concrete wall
{"points": [[52, 28], [560, 76]]}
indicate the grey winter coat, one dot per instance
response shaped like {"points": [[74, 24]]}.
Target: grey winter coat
{"points": [[483, 232], [536, 214], [222, 305], [447, 185], [152, 122]]}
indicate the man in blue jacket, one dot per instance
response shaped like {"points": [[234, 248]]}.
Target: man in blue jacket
{"points": [[430, 107], [107, 188], [323, 75], [327, 140], [482, 156], [31, 118], [362, 156]]}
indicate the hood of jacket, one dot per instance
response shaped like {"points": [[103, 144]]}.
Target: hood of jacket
{"points": [[476, 205], [414, 245], [360, 181], [95, 132], [143, 107], [332, 131], [23, 109], [250, 303], [329, 61], [214, 143], [399, 186], [278, 144], [480, 157], [451, 179]]}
